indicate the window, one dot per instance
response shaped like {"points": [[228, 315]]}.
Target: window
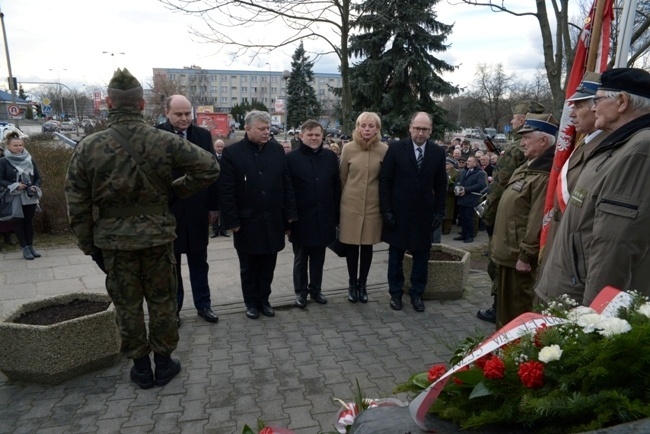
{"points": [[253, 89], [244, 89], [233, 88], [224, 78], [244, 99], [234, 99], [254, 78], [224, 89], [274, 90], [263, 79], [224, 99], [234, 77], [244, 79]]}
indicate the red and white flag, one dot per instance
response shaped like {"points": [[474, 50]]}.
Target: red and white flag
{"points": [[566, 135]]}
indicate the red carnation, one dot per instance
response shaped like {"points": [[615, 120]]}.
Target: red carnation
{"points": [[457, 381], [494, 368], [267, 430], [436, 372], [480, 363], [532, 374]]}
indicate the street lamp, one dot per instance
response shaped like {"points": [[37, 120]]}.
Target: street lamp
{"points": [[12, 87], [269, 86]]}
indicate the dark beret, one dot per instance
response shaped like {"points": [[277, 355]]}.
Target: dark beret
{"points": [[123, 80], [631, 80]]}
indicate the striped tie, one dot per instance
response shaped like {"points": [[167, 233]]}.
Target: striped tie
{"points": [[420, 157]]}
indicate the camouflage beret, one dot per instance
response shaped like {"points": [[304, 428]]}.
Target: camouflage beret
{"points": [[123, 80], [527, 106]]}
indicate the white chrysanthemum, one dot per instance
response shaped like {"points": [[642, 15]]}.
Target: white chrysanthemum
{"points": [[550, 353], [589, 322], [579, 311], [644, 309], [613, 326]]}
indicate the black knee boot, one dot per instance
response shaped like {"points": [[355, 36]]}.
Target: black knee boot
{"points": [[353, 294], [363, 294]]}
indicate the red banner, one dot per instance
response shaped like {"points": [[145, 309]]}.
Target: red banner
{"points": [[566, 134]]}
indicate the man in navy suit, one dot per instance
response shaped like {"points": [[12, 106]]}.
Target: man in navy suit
{"points": [[412, 191], [192, 214]]}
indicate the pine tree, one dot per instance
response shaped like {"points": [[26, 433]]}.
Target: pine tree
{"points": [[399, 75], [302, 103]]}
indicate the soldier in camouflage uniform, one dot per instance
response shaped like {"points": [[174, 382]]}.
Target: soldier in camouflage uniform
{"points": [[510, 158], [131, 239]]}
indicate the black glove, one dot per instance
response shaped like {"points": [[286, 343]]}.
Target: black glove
{"points": [[437, 221], [389, 220], [98, 257]]}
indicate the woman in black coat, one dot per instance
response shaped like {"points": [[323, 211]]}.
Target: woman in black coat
{"points": [[19, 175], [317, 187]]}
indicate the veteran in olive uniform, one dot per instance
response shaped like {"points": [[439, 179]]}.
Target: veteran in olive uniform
{"points": [[515, 240], [510, 159], [131, 239], [603, 236]]}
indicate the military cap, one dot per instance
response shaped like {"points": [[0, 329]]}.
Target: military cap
{"points": [[527, 106], [462, 158], [451, 161], [631, 80], [545, 123], [587, 87], [123, 80], [466, 141]]}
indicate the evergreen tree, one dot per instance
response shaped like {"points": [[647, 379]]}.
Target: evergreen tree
{"points": [[399, 75], [239, 111], [302, 103]]}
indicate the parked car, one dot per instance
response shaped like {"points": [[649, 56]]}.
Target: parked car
{"points": [[5, 127], [500, 137], [68, 126], [275, 130], [333, 131], [50, 127]]}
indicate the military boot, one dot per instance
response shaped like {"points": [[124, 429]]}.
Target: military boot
{"points": [[141, 373], [166, 369], [490, 314]]}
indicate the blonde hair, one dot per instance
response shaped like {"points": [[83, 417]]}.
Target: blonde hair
{"points": [[369, 116]]}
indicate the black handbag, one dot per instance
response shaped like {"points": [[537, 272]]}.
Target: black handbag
{"points": [[6, 205], [338, 247]]}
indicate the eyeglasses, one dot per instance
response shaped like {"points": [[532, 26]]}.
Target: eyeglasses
{"points": [[421, 130], [598, 98]]}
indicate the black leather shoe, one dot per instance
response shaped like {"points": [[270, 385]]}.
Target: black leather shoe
{"points": [[396, 303], [363, 294], [468, 240], [207, 314], [418, 304], [214, 234], [319, 298], [224, 234], [252, 313], [301, 301], [353, 295], [489, 315], [166, 369], [459, 238], [268, 311]]}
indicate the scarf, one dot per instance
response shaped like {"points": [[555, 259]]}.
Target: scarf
{"points": [[22, 162]]}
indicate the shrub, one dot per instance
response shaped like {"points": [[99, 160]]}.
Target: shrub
{"points": [[52, 158]]}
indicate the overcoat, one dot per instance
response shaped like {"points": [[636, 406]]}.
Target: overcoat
{"points": [[603, 237], [256, 195], [317, 186], [192, 213], [473, 182], [413, 196], [360, 214]]}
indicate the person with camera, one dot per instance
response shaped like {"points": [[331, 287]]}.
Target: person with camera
{"points": [[19, 175]]}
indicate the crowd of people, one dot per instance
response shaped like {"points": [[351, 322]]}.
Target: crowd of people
{"points": [[160, 190]]}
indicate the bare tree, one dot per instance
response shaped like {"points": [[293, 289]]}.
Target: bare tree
{"points": [[161, 87], [491, 88], [229, 24]]}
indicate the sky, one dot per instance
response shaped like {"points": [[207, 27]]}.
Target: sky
{"points": [[80, 42]]}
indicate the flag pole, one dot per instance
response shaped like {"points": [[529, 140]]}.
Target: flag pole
{"points": [[595, 37], [625, 36]]}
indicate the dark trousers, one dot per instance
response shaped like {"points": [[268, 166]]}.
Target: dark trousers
{"points": [[396, 272], [24, 227], [466, 215], [304, 258], [256, 272], [198, 265]]}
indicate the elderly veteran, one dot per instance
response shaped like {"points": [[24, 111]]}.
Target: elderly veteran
{"points": [[584, 120], [515, 241], [603, 237], [510, 158]]}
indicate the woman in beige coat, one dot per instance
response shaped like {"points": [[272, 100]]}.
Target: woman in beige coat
{"points": [[360, 216]]}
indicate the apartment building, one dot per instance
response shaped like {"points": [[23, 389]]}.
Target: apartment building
{"points": [[222, 88]]}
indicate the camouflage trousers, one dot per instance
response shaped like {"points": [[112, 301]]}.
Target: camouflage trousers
{"points": [[137, 275]]}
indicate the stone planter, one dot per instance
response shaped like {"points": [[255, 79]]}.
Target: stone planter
{"points": [[445, 279], [58, 352]]}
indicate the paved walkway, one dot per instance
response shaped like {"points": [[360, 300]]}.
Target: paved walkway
{"points": [[283, 370]]}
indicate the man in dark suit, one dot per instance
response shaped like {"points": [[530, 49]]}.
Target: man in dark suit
{"points": [[257, 203], [192, 214], [412, 190], [471, 182], [217, 229]]}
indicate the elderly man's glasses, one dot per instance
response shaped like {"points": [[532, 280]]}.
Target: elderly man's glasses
{"points": [[596, 99], [421, 129]]}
